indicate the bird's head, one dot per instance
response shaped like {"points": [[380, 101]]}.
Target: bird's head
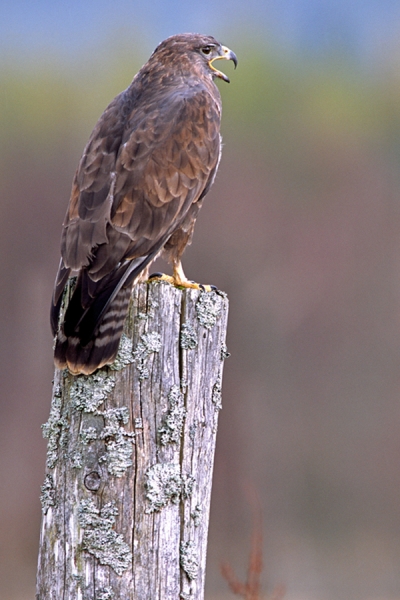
{"points": [[213, 51], [195, 51]]}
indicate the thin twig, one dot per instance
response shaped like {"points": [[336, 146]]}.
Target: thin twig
{"points": [[251, 588]]}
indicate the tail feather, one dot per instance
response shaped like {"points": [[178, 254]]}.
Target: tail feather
{"points": [[89, 336], [69, 352]]}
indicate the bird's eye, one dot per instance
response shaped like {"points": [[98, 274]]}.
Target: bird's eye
{"points": [[206, 50]]}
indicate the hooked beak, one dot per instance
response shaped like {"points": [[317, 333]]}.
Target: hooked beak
{"points": [[226, 54]]}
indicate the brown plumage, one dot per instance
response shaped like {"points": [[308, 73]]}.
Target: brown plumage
{"points": [[149, 162]]}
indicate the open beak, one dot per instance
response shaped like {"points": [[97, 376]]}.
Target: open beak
{"points": [[226, 54]]}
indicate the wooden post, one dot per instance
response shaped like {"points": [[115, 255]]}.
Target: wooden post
{"points": [[126, 495]]}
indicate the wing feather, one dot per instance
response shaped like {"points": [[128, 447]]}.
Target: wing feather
{"points": [[161, 167]]}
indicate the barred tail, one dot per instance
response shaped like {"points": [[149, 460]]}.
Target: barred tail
{"points": [[72, 351], [89, 336]]}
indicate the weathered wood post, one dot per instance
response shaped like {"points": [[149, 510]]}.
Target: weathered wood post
{"points": [[126, 495]]}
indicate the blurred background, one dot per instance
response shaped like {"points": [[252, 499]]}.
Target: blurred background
{"points": [[301, 229]]}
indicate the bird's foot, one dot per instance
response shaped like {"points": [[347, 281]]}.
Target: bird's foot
{"points": [[182, 282]]}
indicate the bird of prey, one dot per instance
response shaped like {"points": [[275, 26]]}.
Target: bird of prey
{"points": [[149, 162]]}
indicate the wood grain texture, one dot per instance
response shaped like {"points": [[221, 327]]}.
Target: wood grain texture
{"points": [[127, 490]]}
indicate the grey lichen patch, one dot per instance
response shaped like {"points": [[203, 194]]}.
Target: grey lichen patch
{"points": [[88, 435], [76, 459], [187, 483], [196, 515], [149, 343], [100, 539], [87, 393], [171, 431], [55, 430], [105, 594], [118, 456], [115, 416], [162, 485], [224, 352], [57, 391], [48, 494], [189, 560], [208, 308], [188, 337], [217, 394], [125, 354]]}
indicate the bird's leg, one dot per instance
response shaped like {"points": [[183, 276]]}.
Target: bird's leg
{"points": [[179, 279]]}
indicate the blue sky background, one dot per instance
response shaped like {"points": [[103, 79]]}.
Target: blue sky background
{"points": [[366, 30]]}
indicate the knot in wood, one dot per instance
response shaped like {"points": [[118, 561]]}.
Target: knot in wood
{"points": [[92, 481]]}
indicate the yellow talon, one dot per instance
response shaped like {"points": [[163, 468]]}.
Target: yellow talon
{"points": [[179, 279]]}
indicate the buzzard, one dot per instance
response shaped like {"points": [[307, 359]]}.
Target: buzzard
{"points": [[149, 162]]}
